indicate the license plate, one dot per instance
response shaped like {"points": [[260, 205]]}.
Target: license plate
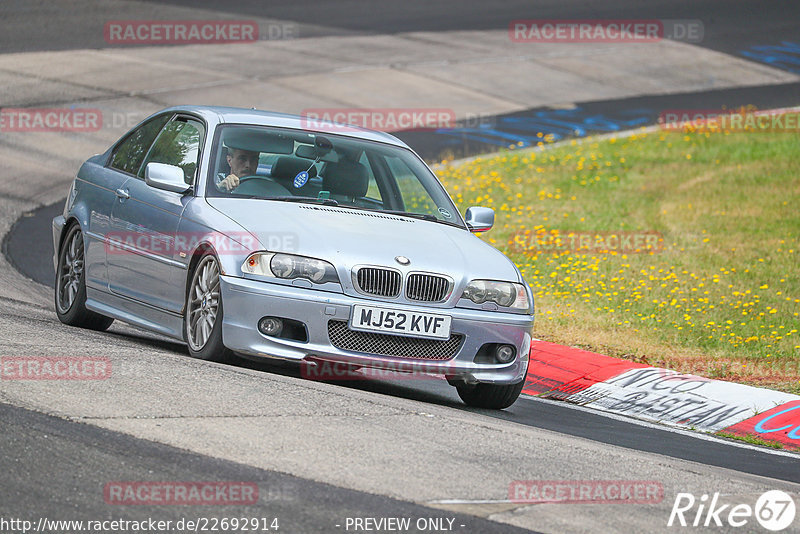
{"points": [[389, 321]]}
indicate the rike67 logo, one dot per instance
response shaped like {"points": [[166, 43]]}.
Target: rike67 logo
{"points": [[774, 510]]}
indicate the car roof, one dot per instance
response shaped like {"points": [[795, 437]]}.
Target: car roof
{"points": [[231, 115]]}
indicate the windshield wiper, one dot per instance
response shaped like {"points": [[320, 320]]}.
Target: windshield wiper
{"points": [[422, 216], [332, 202], [323, 201]]}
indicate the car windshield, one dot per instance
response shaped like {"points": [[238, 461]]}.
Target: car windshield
{"points": [[281, 164]]}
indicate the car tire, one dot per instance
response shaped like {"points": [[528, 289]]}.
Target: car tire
{"points": [[494, 396], [70, 285], [202, 323]]}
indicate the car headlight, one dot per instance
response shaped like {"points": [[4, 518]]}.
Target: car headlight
{"points": [[505, 294], [289, 266]]}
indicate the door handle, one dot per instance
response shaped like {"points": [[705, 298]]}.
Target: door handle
{"points": [[122, 194]]}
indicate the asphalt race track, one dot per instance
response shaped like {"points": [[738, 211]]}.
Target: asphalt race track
{"points": [[67, 451], [527, 411], [324, 453]]}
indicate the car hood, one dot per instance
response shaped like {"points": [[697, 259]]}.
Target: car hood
{"points": [[349, 237]]}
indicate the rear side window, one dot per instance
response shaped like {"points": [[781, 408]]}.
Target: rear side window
{"points": [[129, 154]]}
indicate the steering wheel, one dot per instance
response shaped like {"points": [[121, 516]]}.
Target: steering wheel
{"points": [[260, 186], [253, 176]]}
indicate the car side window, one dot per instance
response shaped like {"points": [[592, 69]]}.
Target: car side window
{"points": [[129, 154], [178, 144], [373, 192], [415, 197]]}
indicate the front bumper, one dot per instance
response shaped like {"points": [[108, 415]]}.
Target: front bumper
{"points": [[246, 301]]}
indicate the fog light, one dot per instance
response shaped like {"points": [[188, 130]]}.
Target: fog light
{"points": [[505, 353], [270, 326]]}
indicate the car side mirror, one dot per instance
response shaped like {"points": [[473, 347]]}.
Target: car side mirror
{"points": [[166, 177], [479, 219]]}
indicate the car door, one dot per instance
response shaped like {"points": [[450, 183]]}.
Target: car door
{"points": [[145, 268], [108, 178]]}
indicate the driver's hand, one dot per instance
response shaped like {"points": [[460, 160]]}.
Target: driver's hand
{"points": [[230, 182]]}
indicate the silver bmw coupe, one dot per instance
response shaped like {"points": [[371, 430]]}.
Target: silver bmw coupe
{"points": [[268, 236]]}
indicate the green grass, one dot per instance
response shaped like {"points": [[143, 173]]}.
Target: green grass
{"points": [[720, 296], [749, 438]]}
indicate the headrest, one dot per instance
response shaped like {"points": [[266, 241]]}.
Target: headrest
{"points": [[287, 167], [346, 178]]}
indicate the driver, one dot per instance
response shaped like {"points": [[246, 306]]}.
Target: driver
{"points": [[242, 163]]}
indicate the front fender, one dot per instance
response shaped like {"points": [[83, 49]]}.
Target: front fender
{"points": [[59, 223]]}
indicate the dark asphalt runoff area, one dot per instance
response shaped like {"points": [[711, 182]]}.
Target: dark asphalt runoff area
{"points": [[593, 117], [728, 26], [732, 28]]}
